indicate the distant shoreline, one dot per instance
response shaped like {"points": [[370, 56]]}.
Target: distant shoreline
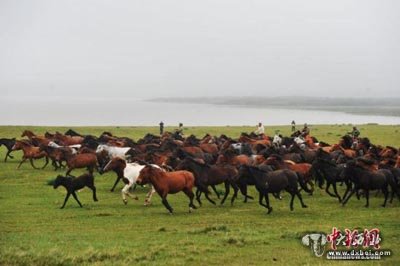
{"points": [[359, 106]]}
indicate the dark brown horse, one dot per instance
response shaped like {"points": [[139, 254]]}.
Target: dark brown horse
{"points": [[302, 169], [30, 153], [211, 175], [8, 143], [168, 183]]}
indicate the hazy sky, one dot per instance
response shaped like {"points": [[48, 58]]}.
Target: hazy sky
{"points": [[200, 48]]}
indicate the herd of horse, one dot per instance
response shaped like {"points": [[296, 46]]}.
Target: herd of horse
{"points": [[172, 163]]}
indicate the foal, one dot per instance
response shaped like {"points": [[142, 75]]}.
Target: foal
{"points": [[168, 183], [72, 184]]}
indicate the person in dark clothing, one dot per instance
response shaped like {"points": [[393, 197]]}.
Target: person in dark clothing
{"points": [[355, 133], [161, 127], [293, 126], [180, 129], [305, 131]]}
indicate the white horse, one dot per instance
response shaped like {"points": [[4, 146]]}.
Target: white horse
{"points": [[74, 148], [114, 151], [131, 172]]}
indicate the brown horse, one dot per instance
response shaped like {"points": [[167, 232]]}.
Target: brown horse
{"points": [[36, 140], [67, 140], [229, 157], [30, 153], [168, 183], [254, 142], [347, 152], [81, 160]]}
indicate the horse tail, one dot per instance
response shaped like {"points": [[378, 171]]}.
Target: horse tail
{"points": [[289, 162]]}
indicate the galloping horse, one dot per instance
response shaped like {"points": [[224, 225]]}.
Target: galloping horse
{"points": [[211, 175], [129, 173], [81, 160], [8, 143], [36, 140], [122, 152], [30, 152], [271, 182], [168, 183], [68, 140]]}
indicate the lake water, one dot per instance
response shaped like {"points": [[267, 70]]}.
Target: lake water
{"points": [[128, 112]]}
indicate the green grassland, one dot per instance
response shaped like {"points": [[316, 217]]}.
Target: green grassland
{"points": [[34, 231]]}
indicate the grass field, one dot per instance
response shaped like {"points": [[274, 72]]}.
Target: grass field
{"points": [[34, 231]]}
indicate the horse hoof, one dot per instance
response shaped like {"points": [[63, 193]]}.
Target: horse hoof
{"points": [[136, 198], [125, 202], [269, 210], [304, 206], [383, 205]]}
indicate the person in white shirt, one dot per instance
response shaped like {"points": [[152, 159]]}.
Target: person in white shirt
{"points": [[260, 129]]}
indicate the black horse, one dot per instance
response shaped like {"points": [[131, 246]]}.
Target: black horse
{"points": [[328, 170], [72, 133], [8, 143], [72, 184], [210, 175], [272, 182], [368, 180]]}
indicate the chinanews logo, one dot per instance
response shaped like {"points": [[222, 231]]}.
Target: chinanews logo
{"points": [[347, 245]]}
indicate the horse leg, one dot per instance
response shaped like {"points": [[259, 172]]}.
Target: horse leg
{"points": [[301, 199], [115, 184], [47, 162], [367, 197], [76, 198], [235, 192], [327, 190], [149, 195], [65, 200], [23, 160], [291, 200], [206, 193], [267, 201], [190, 194], [348, 187], [227, 190], [216, 192], [386, 193], [198, 194], [69, 171], [8, 155], [337, 194], [93, 188], [31, 161], [349, 196], [90, 168], [124, 192], [243, 190], [260, 198], [166, 204]]}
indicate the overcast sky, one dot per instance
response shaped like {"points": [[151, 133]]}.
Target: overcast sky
{"points": [[200, 48]]}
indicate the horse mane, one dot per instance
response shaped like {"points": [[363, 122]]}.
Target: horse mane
{"points": [[391, 148]]}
